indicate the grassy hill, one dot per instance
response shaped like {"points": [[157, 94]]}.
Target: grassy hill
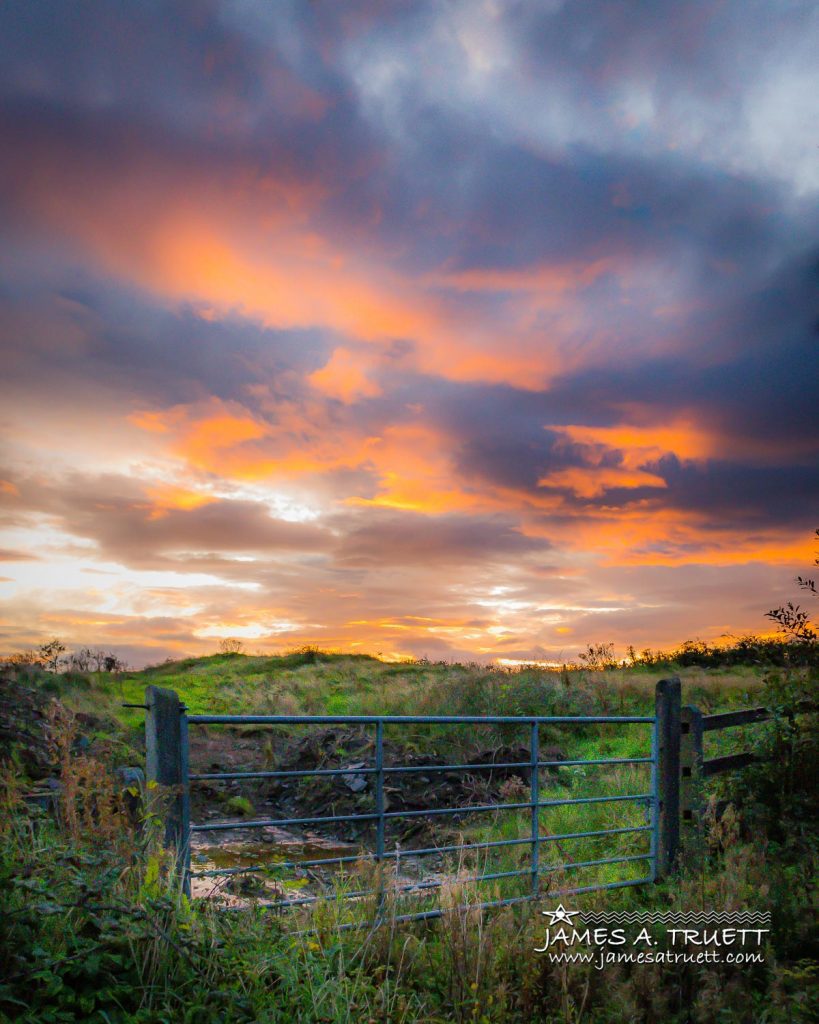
{"points": [[316, 682]]}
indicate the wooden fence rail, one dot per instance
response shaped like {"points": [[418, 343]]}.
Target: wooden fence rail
{"points": [[711, 723], [683, 767], [693, 766]]}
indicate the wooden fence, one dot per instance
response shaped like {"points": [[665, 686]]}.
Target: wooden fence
{"points": [[682, 767]]}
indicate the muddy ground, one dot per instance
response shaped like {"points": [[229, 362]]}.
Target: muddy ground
{"points": [[429, 786]]}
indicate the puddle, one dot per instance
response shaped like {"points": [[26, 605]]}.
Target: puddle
{"points": [[286, 863], [270, 850], [278, 856]]}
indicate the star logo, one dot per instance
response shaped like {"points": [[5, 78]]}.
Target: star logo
{"points": [[561, 914]]}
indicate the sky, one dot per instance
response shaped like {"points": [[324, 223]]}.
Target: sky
{"points": [[462, 329]]}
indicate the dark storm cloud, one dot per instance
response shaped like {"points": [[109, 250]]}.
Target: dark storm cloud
{"points": [[411, 539], [133, 530], [706, 48], [134, 535], [461, 196], [182, 64], [753, 378], [517, 206], [189, 82], [744, 496], [522, 207], [157, 355]]}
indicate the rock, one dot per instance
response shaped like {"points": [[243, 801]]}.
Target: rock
{"points": [[130, 776], [355, 783], [552, 753], [25, 727], [46, 796], [82, 745]]}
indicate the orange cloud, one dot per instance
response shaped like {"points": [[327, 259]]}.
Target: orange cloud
{"points": [[644, 533], [643, 444], [411, 461], [303, 281], [218, 433], [415, 473], [155, 422], [636, 446], [227, 440], [343, 378], [592, 481], [208, 437], [167, 497], [725, 551], [256, 246]]}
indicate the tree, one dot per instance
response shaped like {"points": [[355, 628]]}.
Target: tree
{"points": [[50, 653], [98, 657], [112, 663], [598, 657], [80, 661], [21, 658], [793, 621], [231, 645], [806, 584]]}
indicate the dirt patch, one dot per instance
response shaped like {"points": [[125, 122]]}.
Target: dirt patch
{"points": [[429, 786]]}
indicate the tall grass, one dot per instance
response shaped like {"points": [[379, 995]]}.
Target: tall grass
{"points": [[95, 928]]}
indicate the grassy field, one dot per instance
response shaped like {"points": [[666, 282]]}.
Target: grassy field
{"points": [[319, 683], [315, 683], [99, 928]]}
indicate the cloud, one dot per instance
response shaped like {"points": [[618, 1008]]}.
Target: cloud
{"points": [[456, 329], [17, 556], [343, 378], [708, 82], [388, 538]]}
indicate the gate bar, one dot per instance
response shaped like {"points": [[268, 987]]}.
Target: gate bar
{"points": [[429, 915], [366, 854], [667, 703], [418, 719], [431, 812], [411, 887], [659, 724], [379, 810], [215, 776]]}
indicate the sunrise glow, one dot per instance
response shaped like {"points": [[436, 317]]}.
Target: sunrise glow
{"points": [[485, 355]]}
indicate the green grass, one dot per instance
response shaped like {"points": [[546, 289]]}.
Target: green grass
{"points": [[323, 683], [95, 930], [313, 682]]}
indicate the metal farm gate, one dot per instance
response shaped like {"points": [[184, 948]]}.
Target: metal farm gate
{"points": [[167, 747]]}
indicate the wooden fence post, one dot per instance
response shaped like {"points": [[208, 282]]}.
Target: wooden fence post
{"points": [[166, 764], [691, 731], [667, 709]]}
